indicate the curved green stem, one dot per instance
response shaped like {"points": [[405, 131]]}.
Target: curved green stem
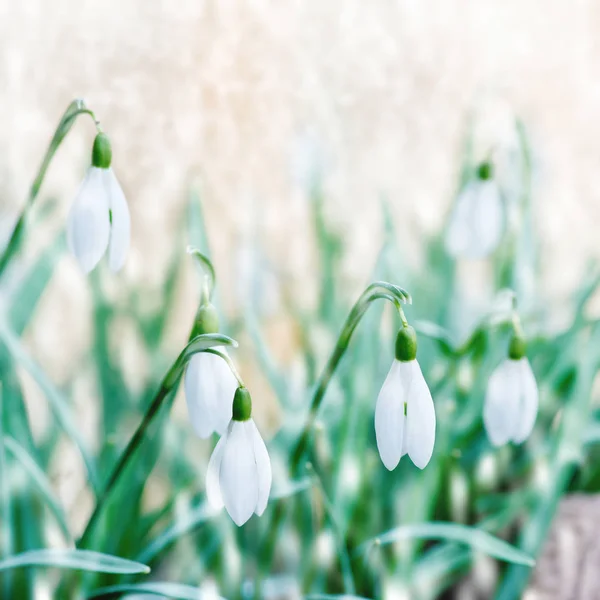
{"points": [[380, 290], [201, 343], [376, 291], [76, 108], [229, 362], [207, 266]]}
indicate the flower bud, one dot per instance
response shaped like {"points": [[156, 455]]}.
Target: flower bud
{"points": [[101, 152], [242, 405], [207, 320], [485, 171], [516, 348], [406, 344]]}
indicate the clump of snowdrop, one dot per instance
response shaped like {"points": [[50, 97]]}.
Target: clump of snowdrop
{"points": [[477, 219], [511, 400], [239, 471], [404, 414], [209, 383], [99, 218]]}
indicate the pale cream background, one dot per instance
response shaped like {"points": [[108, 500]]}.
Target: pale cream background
{"points": [[218, 92]]}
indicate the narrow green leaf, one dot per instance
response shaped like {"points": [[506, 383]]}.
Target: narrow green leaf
{"points": [[24, 300], [334, 597], [41, 480], [58, 403], [186, 523], [173, 591], [476, 538], [84, 560]]}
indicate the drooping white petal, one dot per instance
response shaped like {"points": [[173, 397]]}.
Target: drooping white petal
{"points": [[263, 466], [120, 229], [458, 231], [209, 390], [476, 222], [239, 476], [88, 225], [488, 220], [213, 485], [389, 416], [528, 402], [221, 403], [420, 416], [199, 386], [501, 408]]}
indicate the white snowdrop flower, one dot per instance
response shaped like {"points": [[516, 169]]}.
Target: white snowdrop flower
{"points": [[511, 400], [209, 383], [239, 471], [477, 219], [404, 414], [99, 218], [209, 389]]}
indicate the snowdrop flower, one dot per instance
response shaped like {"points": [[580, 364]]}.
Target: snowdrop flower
{"points": [[99, 218], [209, 383], [511, 400], [477, 219], [404, 414], [239, 471]]}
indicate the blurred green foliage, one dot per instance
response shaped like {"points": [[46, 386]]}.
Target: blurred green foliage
{"points": [[345, 525]]}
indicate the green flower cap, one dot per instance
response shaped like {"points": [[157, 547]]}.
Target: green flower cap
{"points": [[406, 344], [517, 347], [207, 320], [101, 152], [485, 171], [242, 405]]}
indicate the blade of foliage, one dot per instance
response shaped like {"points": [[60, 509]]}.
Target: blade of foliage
{"points": [[41, 481], [174, 591], [58, 403], [85, 560], [476, 538]]}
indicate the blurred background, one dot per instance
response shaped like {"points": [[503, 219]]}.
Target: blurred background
{"points": [[238, 107]]}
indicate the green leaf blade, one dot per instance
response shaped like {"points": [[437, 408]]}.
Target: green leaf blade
{"points": [[83, 560], [471, 536]]}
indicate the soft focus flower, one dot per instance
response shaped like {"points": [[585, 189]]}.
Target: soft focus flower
{"points": [[511, 402], [209, 389], [239, 471], [404, 414], [477, 219], [99, 218]]}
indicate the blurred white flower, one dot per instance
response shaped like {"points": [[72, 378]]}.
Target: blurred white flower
{"points": [[209, 390], [99, 218], [405, 416], [477, 219], [511, 402], [239, 471]]}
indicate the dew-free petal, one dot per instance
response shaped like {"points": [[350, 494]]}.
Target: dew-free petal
{"points": [[199, 388], [263, 466], [528, 402], [213, 486], [389, 417], [88, 225], [120, 229], [501, 407], [420, 417], [238, 476]]}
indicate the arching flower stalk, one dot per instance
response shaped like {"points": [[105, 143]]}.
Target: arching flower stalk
{"points": [[99, 219], [511, 400], [476, 222], [209, 382], [239, 472], [404, 414]]}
